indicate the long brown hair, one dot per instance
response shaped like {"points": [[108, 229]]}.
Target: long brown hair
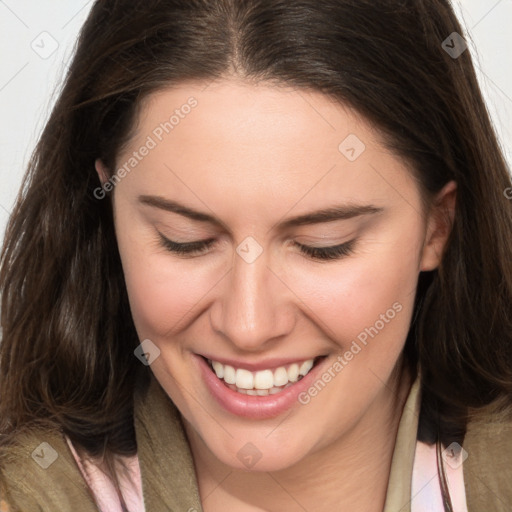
{"points": [[66, 358]]}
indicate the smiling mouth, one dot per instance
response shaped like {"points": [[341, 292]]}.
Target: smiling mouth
{"points": [[263, 382]]}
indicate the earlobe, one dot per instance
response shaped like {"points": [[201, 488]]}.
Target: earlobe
{"points": [[101, 169], [439, 227]]}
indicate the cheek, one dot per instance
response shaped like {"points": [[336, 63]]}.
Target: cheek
{"points": [[369, 294], [344, 298], [162, 289], [163, 292]]}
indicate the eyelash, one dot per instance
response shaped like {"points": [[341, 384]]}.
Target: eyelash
{"points": [[318, 253]]}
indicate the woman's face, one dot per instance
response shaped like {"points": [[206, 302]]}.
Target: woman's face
{"points": [[249, 160]]}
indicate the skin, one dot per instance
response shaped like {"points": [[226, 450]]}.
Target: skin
{"points": [[252, 156]]}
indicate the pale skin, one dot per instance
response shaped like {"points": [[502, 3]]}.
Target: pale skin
{"points": [[252, 156]]}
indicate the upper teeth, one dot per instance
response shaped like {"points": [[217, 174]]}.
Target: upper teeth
{"points": [[264, 379]]}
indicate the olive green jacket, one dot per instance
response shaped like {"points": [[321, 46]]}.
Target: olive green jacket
{"points": [[168, 476]]}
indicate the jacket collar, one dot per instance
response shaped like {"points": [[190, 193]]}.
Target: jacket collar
{"points": [[167, 468], [398, 496]]}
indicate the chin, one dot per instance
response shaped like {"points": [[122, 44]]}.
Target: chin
{"points": [[258, 455]]}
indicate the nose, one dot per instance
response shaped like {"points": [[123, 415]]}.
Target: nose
{"points": [[255, 307]]}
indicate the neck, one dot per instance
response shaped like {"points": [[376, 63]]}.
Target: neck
{"points": [[350, 474]]}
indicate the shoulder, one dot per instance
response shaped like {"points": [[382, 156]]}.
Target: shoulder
{"points": [[488, 467], [38, 473]]}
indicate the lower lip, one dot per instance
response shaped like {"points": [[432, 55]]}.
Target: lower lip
{"points": [[255, 406]]}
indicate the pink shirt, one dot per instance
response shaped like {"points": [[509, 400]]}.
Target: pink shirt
{"points": [[426, 493], [103, 488]]}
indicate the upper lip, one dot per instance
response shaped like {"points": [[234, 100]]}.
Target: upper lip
{"points": [[269, 364]]}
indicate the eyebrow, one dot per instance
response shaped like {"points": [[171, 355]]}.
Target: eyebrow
{"points": [[331, 214]]}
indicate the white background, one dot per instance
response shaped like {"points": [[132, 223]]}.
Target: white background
{"points": [[28, 81]]}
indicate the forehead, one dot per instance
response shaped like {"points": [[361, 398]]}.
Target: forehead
{"points": [[249, 114], [230, 139]]}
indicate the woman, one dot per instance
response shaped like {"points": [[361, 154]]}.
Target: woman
{"points": [[261, 261]]}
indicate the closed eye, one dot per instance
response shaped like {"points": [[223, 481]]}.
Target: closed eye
{"points": [[318, 253], [334, 252]]}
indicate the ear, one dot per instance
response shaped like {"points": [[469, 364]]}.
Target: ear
{"points": [[101, 169], [439, 227]]}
